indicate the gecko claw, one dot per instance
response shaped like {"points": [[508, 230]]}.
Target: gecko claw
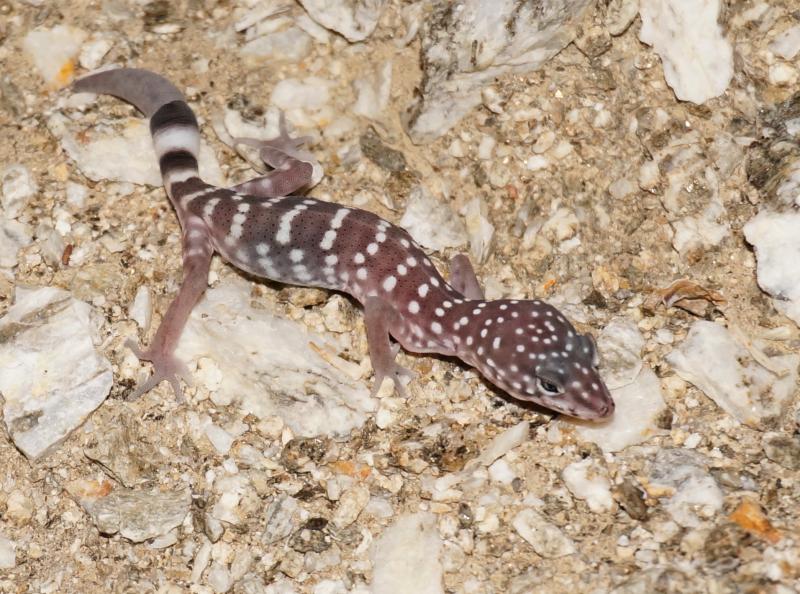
{"points": [[166, 367]]}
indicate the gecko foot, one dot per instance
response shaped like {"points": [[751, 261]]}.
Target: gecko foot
{"points": [[276, 152], [166, 366], [396, 372]]}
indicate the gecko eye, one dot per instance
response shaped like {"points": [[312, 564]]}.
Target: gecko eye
{"points": [[549, 387]]}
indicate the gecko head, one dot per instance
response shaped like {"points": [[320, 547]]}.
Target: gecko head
{"points": [[530, 350]]}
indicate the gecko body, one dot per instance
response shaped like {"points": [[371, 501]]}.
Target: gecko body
{"points": [[525, 347]]}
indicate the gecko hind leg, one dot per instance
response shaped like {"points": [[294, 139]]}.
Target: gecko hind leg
{"points": [[161, 352], [293, 167], [379, 317]]}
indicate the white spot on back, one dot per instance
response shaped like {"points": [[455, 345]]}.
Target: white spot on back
{"points": [[328, 239], [401, 269], [389, 283], [296, 255], [359, 258], [436, 327], [337, 219], [284, 234], [361, 274], [413, 307], [372, 249], [331, 259], [422, 290]]}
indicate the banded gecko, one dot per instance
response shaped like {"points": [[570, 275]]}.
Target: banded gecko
{"points": [[525, 347]]}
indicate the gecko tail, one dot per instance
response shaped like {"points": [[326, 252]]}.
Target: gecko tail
{"points": [[176, 134]]}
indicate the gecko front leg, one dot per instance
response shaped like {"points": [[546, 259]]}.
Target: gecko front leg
{"points": [[379, 317], [197, 252], [463, 278]]}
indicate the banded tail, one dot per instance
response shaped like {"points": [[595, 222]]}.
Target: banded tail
{"points": [[176, 135]]}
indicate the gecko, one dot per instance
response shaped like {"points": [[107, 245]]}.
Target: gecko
{"points": [[527, 348]]}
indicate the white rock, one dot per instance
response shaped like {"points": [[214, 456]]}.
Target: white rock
{"points": [[537, 163], [691, 492], [355, 19], [19, 187], [52, 376], [621, 188], [280, 519], [720, 366], [13, 237], [502, 444], [53, 52], [697, 59], [500, 471], [76, 195], [372, 93], [405, 558], [219, 578], [486, 147], [330, 587], [310, 93], [270, 367], [479, 228], [93, 52], [101, 155], [8, 554], [786, 44], [351, 503], [201, 559], [467, 46], [782, 74], [431, 222], [141, 309], [219, 438], [702, 231], [621, 344], [638, 407], [788, 191], [587, 481], [290, 45], [546, 539]]}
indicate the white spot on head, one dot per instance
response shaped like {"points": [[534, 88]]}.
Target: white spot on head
{"points": [[262, 249], [484, 332], [309, 202], [439, 311], [520, 348], [411, 261], [481, 350], [244, 207], [447, 304], [519, 331], [401, 269], [380, 237], [413, 307], [476, 312], [296, 255], [463, 321], [422, 290], [434, 281], [331, 259], [470, 340], [361, 274], [496, 342], [389, 283], [359, 258], [372, 249], [503, 306], [404, 243]]}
